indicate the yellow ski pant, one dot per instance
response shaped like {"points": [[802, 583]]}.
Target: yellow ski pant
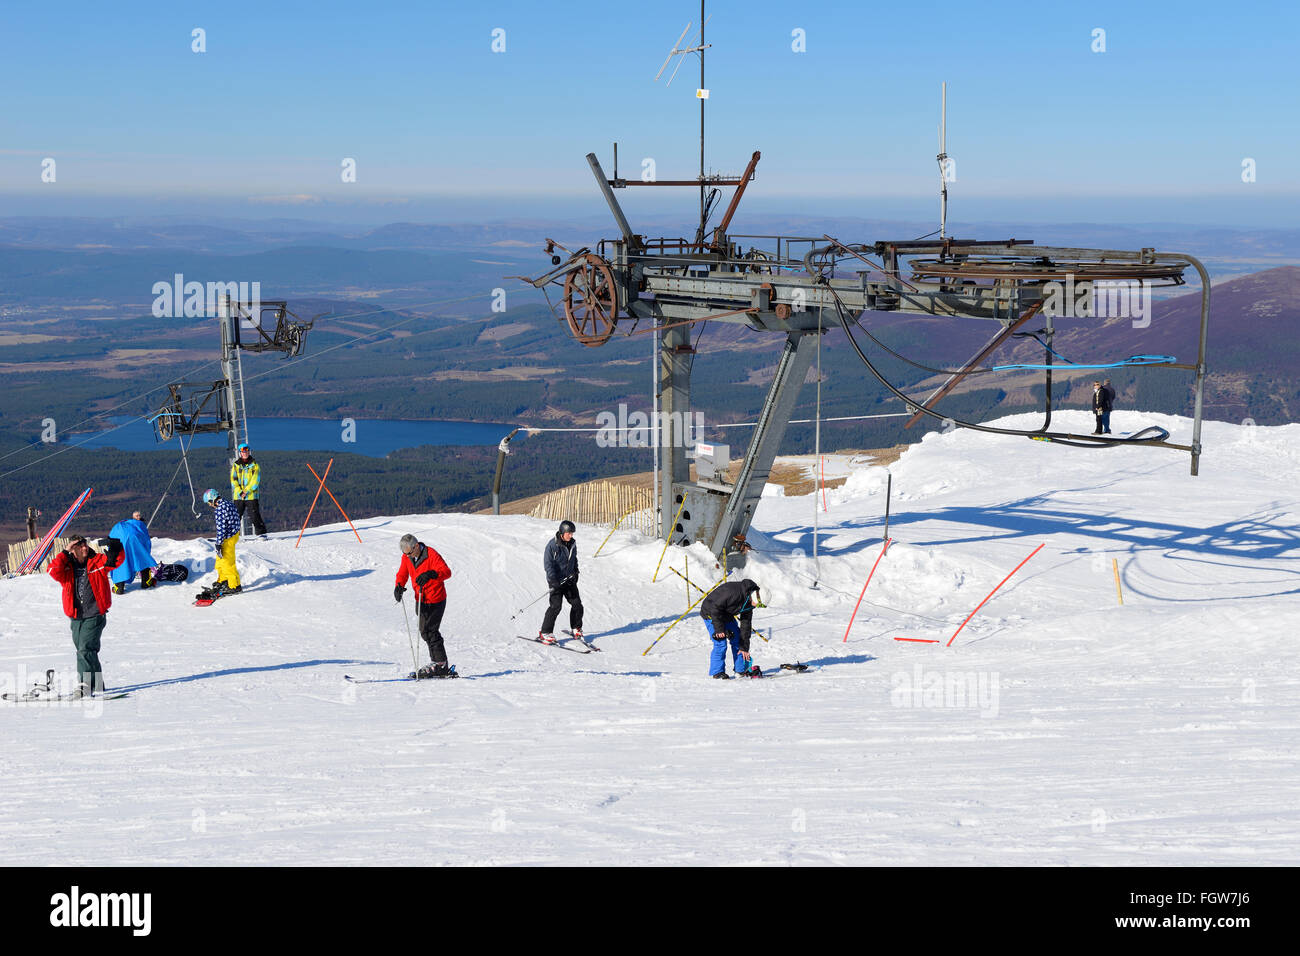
{"points": [[226, 570]]}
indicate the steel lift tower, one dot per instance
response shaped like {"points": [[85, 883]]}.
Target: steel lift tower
{"points": [[803, 286]]}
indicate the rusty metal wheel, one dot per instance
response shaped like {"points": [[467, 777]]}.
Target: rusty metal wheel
{"points": [[165, 422], [591, 301]]}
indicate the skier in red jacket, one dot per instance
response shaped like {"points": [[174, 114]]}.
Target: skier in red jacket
{"points": [[87, 596], [426, 567]]}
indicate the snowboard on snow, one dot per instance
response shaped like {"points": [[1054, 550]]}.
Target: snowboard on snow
{"points": [[210, 595]]}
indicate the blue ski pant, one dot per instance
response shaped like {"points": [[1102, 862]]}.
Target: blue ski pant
{"points": [[730, 635]]}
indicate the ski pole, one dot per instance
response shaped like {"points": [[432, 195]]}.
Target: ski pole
{"points": [[539, 597], [415, 657]]}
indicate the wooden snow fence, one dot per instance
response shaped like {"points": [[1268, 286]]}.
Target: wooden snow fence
{"points": [[600, 503], [18, 553]]}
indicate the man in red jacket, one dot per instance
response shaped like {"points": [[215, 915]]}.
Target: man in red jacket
{"points": [[426, 567], [87, 596]]}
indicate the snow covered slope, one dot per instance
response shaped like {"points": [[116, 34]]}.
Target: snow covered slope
{"points": [[1059, 728]]}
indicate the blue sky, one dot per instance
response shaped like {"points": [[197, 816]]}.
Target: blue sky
{"points": [[413, 92]]}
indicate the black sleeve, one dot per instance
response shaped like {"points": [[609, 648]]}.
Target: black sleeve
{"points": [[548, 563], [746, 627]]}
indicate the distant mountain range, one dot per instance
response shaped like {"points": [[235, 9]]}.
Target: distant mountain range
{"points": [[76, 334]]}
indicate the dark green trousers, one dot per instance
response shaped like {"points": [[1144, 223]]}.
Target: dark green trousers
{"points": [[85, 636]]}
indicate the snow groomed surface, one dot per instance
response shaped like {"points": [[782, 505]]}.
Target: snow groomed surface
{"points": [[1059, 728]]}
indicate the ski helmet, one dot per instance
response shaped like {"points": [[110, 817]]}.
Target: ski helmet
{"points": [[567, 527], [243, 446], [209, 496]]}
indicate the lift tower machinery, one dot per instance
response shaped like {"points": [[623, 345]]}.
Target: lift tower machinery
{"points": [[788, 285]]}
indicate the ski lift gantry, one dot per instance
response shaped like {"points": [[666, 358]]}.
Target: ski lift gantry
{"points": [[196, 408], [788, 285]]}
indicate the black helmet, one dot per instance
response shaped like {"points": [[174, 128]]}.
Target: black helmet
{"points": [[566, 527]]}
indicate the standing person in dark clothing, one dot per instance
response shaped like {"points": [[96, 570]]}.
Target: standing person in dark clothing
{"points": [[426, 567], [560, 561], [720, 609], [246, 486], [1110, 406], [87, 597], [1101, 406]]}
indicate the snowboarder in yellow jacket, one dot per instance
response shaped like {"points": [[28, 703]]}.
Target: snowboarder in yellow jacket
{"points": [[245, 484]]}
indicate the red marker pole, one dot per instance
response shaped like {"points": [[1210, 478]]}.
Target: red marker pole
{"points": [[864, 591], [993, 592], [336, 502], [313, 501]]}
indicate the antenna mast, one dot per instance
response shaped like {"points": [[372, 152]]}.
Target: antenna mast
{"points": [[701, 93], [943, 161]]}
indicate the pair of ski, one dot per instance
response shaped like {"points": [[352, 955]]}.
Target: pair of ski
{"points": [[394, 680], [586, 647], [47, 692]]}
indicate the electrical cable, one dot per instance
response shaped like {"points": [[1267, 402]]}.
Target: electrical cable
{"points": [[1152, 435], [277, 368]]}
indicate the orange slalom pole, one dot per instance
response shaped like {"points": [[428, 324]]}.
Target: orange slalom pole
{"points": [[864, 591], [336, 503], [313, 501], [994, 591]]}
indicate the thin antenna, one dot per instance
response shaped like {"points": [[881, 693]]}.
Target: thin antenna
{"points": [[672, 53], [943, 161], [699, 46]]}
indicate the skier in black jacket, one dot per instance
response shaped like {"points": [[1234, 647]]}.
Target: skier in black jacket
{"points": [[560, 559], [720, 609]]}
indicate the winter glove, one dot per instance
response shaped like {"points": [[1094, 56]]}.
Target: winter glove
{"points": [[398, 592], [114, 550], [425, 577]]}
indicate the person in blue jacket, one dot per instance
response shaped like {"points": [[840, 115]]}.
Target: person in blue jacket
{"points": [[134, 535]]}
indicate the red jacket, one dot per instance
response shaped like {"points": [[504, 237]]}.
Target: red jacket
{"points": [[430, 589], [97, 567]]}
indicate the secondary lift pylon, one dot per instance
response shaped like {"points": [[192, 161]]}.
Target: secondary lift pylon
{"points": [[188, 403]]}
